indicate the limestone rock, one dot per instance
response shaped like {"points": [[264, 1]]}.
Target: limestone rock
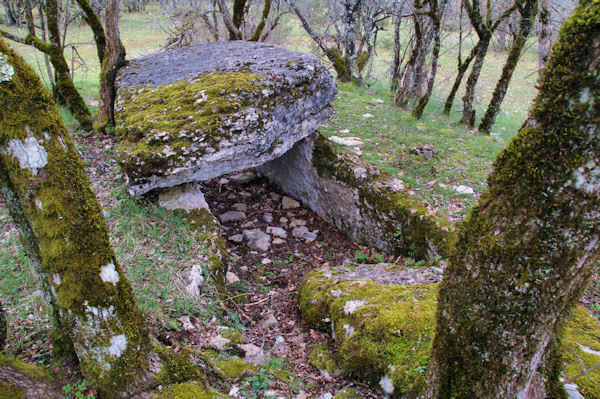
{"points": [[464, 190], [424, 151], [253, 354], [186, 196], [277, 232], [231, 278], [289, 203], [232, 216], [257, 239], [303, 233], [366, 203], [219, 343], [197, 112], [242, 178], [354, 144]]}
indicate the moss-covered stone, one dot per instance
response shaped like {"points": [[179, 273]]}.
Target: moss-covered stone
{"points": [[235, 367], [188, 390], [320, 358], [381, 331], [229, 106], [581, 350], [347, 393]]}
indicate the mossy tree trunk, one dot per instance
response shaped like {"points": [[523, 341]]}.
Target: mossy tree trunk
{"points": [[62, 228], [63, 81], [114, 59], [527, 10], [527, 249]]}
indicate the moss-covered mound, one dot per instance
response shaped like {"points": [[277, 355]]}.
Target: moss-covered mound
{"points": [[383, 330], [363, 201], [198, 112]]}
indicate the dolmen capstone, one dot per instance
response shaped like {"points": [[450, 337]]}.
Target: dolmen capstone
{"points": [[198, 112]]}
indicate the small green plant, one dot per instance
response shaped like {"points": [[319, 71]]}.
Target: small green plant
{"points": [[421, 369], [328, 255], [79, 390], [257, 383], [398, 234], [360, 256], [288, 260]]}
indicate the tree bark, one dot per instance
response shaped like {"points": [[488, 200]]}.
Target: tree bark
{"points": [[95, 25], [3, 328], [468, 114], [545, 35], [527, 249], [436, 11], [63, 230], [528, 13], [114, 59]]}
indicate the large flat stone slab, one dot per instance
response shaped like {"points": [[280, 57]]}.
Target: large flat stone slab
{"points": [[197, 112]]}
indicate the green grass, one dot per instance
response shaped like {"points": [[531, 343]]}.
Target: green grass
{"points": [[155, 247], [463, 158]]}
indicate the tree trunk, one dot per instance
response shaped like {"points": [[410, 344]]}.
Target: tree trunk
{"points": [[468, 114], [349, 39], [63, 230], [462, 69], [395, 69], [114, 60], [64, 83], [96, 26], [409, 76], [527, 18], [545, 35], [527, 249], [436, 18], [3, 328]]}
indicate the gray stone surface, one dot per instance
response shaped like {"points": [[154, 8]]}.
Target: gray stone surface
{"points": [[257, 239], [189, 135]]}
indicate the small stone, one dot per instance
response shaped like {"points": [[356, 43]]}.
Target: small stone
{"points": [[268, 217], [278, 241], [386, 384], [573, 392], [196, 279], [223, 181], [185, 196], [303, 233], [353, 144], [378, 101], [234, 392], [232, 216], [218, 343], [253, 354], [186, 323], [248, 224], [240, 206], [266, 261], [367, 116], [326, 395], [257, 239], [279, 344], [236, 238], [231, 278], [344, 131], [242, 178], [269, 322], [463, 190], [275, 196], [297, 223], [289, 203], [424, 151], [243, 269], [283, 220], [277, 232]]}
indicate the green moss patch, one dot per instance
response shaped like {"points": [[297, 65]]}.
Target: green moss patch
{"points": [[188, 390], [235, 368], [36, 373], [11, 391], [582, 336]]}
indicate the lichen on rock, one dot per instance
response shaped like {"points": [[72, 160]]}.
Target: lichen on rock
{"points": [[198, 112]]}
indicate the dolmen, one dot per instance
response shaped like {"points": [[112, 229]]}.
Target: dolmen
{"points": [[195, 113]]}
